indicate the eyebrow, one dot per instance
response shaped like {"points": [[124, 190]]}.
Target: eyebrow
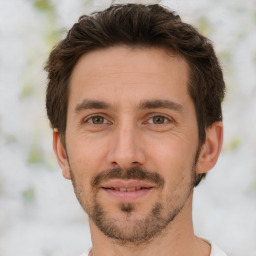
{"points": [[91, 104], [147, 104], [151, 104]]}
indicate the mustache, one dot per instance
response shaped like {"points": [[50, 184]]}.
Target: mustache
{"points": [[126, 174]]}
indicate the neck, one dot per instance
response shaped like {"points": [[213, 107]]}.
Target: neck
{"points": [[177, 239]]}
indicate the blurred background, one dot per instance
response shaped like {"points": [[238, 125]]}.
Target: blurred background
{"points": [[39, 214]]}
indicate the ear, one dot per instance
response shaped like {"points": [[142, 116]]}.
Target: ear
{"points": [[211, 148], [61, 155]]}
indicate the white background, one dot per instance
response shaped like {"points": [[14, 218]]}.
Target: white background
{"points": [[39, 214]]}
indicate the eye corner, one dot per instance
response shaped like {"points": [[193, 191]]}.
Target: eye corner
{"points": [[96, 120], [165, 123], [159, 119]]}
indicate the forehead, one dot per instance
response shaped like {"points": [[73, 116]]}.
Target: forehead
{"points": [[128, 73]]}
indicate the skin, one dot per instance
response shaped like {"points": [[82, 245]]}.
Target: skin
{"points": [[128, 134]]}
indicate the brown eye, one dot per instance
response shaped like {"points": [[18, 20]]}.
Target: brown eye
{"points": [[158, 119], [97, 120]]}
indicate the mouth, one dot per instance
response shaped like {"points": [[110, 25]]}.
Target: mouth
{"points": [[127, 190]]}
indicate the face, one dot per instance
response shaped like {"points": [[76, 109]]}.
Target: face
{"points": [[131, 140]]}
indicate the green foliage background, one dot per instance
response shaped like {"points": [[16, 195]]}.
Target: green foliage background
{"points": [[39, 212]]}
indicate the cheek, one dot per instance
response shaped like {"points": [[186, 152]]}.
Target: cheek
{"points": [[86, 155], [174, 161], [171, 152]]}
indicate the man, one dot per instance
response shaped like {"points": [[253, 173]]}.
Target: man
{"points": [[134, 99]]}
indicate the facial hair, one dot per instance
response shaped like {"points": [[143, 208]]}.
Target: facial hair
{"points": [[130, 230]]}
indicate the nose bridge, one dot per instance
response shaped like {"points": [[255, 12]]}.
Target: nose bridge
{"points": [[126, 149]]}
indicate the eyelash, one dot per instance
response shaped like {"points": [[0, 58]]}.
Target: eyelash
{"points": [[106, 121], [165, 119]]}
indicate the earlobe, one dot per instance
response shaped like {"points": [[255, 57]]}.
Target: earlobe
{"points": [[211, 148], [61, 155]]}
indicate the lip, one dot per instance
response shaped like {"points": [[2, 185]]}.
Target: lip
{"points": [[131, 190]]}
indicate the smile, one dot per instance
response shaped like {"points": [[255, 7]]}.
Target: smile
{"points": [[127, 190]]}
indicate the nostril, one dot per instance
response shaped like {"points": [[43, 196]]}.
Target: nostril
{"points": [[126, 165], [135, 163]]}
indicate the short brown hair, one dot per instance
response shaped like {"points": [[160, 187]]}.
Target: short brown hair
{"points": [[138, 25]]}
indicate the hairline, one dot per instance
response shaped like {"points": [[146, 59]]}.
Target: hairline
{"points": [[136, 46]]}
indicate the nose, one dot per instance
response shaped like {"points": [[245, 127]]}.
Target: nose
{"points": [[126, 147]]}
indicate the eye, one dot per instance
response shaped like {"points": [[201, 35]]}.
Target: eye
{"points": [[158, 120], [97, 120]]}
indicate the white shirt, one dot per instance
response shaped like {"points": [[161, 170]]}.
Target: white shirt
{"points": [[215, 251]]}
